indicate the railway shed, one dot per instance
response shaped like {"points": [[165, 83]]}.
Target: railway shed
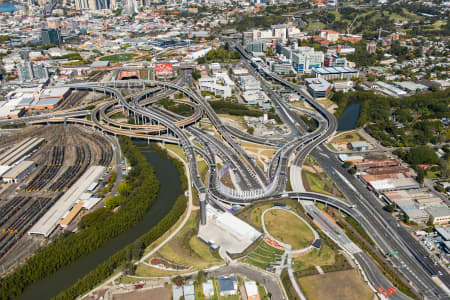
{"points": [[18, 172], [48, 223], [17, 152]]}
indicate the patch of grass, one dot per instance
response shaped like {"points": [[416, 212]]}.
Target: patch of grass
{"points": [[347, 137], [202, 169], [326, 102], [288, 228], [237, 119], [343, 285], [118, 57], [330, 146], [186, 249], [177, 150], [118, 115], [314, 183], [301, 104], [315, 26], [147, 271], [316, 257], [263, 256]]}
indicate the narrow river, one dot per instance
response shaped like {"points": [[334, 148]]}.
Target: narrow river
{"points": [[170, 189], [349, 117]]}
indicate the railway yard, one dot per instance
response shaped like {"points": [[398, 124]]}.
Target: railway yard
{"points": [[61, 154]]}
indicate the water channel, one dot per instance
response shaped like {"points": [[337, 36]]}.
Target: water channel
{"points": [[348, 119], [170, 189]]}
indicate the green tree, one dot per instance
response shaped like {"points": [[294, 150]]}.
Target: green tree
{"points": [[420, 175], [422, 155]]}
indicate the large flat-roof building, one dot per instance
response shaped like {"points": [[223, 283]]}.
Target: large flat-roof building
{"points": [[342, 73], [48, 223], [17, 173], [227, 231], [439, 215]]}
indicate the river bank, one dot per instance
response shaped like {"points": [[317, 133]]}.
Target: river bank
{"points": [[67, 276]]}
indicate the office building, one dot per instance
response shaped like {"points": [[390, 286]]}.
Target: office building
{"points": [[51, 36], [305, 59], [317, 87], [281, 67], [258, 46]]}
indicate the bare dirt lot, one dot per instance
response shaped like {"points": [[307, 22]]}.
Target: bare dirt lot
{"points": [[158, 293], [343, 285]]}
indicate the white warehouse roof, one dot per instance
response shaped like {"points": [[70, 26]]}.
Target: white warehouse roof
{"points": [[50, 220]]}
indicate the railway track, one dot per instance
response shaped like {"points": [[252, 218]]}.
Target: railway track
{"points": [[67, 179], [49, 171], [25, 214]]}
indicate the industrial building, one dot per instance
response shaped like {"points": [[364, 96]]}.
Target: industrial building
{"points": [[439, 215], [18, 172], [389, 182], [251, 289], [303, 59], [376, 163], [249, 83], [50, 98], [18, 151], [413, 203], [48, 223], [208, 288], [29, 71], [389, 89], [228, 286], [410, 87], [280, 67]]}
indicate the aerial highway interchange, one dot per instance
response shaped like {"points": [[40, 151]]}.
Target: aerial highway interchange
{"points": [[159, 125]]}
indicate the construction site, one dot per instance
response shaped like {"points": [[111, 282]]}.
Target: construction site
{"points": [[51, 176]]}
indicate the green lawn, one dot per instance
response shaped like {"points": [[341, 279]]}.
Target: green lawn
{"points": [[186, 248], [288, 228]]}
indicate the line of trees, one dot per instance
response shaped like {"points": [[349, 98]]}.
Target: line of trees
{"points": [[63, 251], [419, 116], [124, 258]]}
